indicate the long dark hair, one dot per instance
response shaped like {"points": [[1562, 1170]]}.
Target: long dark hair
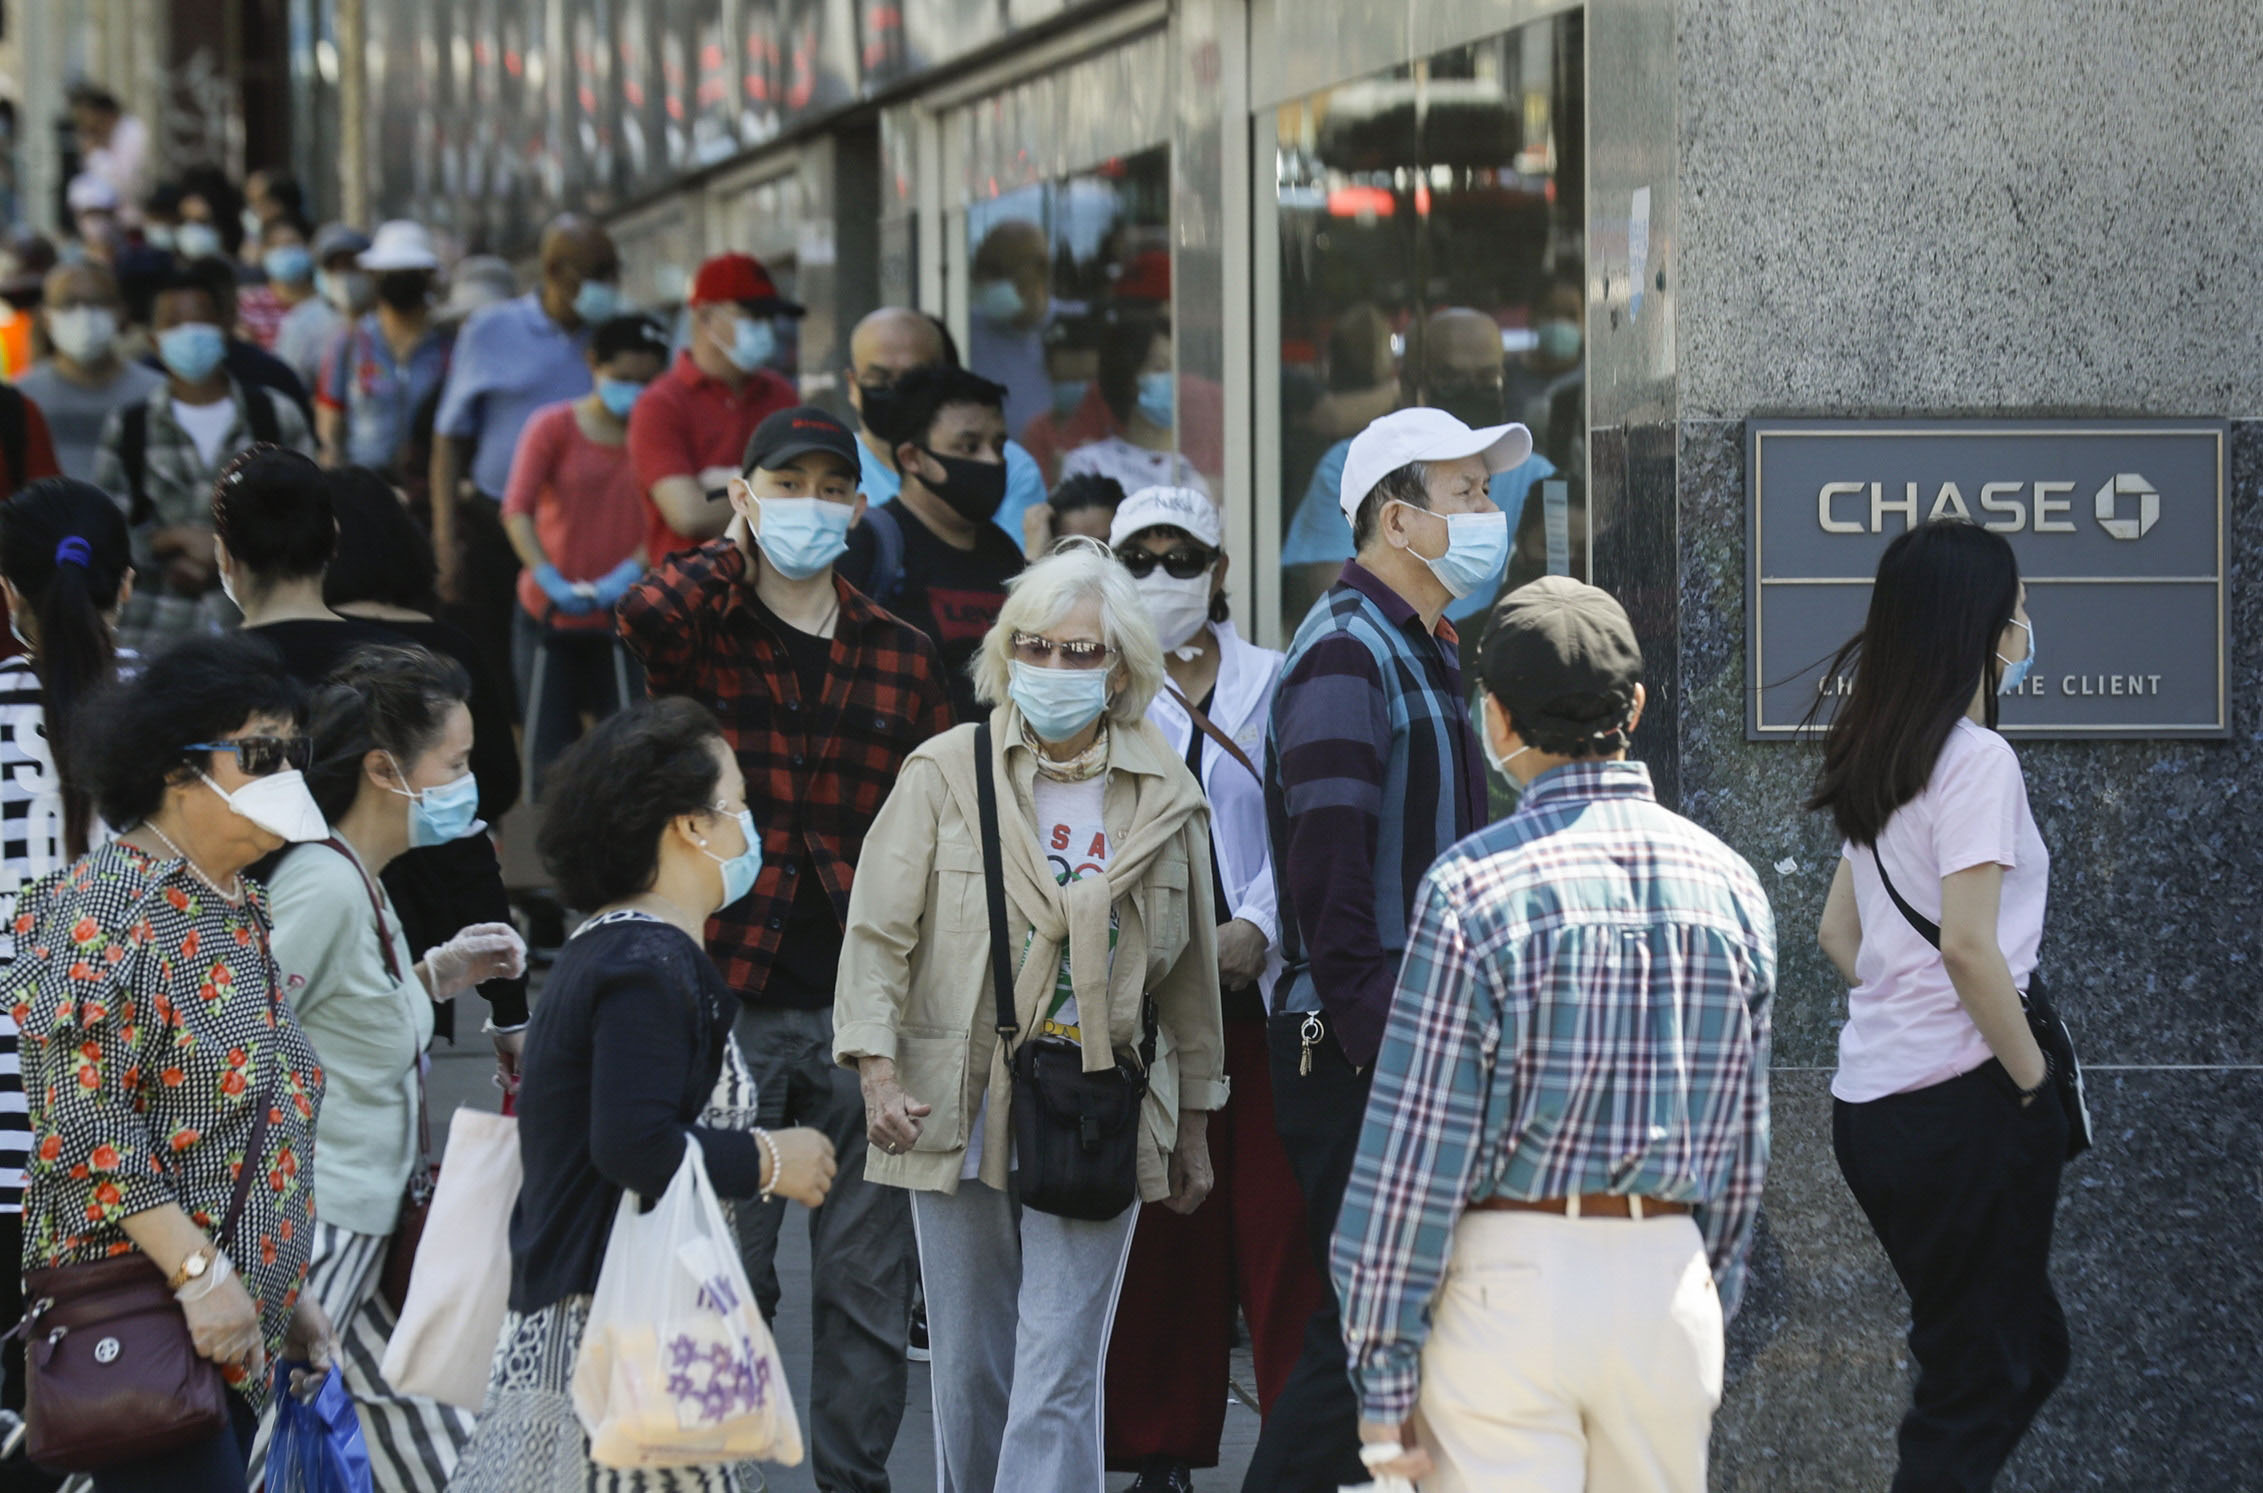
{"points": [[1945, 592], [63, 546], [380, 698]]}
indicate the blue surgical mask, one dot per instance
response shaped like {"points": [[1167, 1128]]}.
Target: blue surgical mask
{"points": [[1155, 398], [1068, 393], [618, 395], [1477, 546], [752, 343], [191, 350], [196, 240], [2015, 675], [801, 536], [287, 264], [442, 815], [158, 236], [1057, 703], [997, 300], [739, 871], [1560, 341], [597, 301]]}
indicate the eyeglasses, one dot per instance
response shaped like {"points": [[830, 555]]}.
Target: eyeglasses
{"points": [[260, 756], [1032, 649], [1182, 564]]}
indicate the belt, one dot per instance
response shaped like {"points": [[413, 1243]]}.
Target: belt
{"points": [[1589, 1205]]}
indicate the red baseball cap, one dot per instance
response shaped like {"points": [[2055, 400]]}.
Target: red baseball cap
{"points": [[742, 279]]}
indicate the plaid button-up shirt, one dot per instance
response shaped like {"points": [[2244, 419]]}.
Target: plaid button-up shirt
{"points": [[1584, 1008], [816, 770]]}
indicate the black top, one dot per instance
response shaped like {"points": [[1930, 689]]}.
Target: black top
{"points": [[311, 647], [621, 1058], [952, 595], [809, 949]]}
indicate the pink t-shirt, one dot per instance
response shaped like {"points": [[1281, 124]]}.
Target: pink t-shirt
{"points": [[1905, 1027], [588, 510]]}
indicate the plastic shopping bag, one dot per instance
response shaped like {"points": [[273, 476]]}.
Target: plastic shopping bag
{"points": [[444, 1343], [677, 1368], [317, 1446]]}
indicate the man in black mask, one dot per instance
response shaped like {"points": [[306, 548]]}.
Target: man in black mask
{"points": [[932, 554], [387, 363]]}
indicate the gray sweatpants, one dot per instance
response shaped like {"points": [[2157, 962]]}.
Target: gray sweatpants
{"points": [[1019, 1305]]}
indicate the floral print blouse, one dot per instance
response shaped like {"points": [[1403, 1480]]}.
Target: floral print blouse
{"points": [[152, 1023]]}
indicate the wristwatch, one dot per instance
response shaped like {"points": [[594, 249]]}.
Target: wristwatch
{"points": [[193, 1268]]}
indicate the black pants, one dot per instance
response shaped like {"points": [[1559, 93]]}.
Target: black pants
{"points": [[487, 584], [1961, 1184], [1310, 1443]]}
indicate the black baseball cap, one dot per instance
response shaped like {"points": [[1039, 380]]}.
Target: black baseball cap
{"points": [[796, 432], [1561, 658]]}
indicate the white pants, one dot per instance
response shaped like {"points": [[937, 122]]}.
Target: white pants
{"points": [[1572, 1354]]}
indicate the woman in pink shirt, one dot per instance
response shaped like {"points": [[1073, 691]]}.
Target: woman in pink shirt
{"points": [[1944, 1120], [575, 515]]}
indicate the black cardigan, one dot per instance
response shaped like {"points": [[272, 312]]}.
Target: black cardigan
{"points": [[621, 1057]]}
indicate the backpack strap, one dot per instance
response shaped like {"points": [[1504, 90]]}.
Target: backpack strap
{"points": [[1926, 928], [994, 883], [887, 553], [15, 429], [133, 455]]}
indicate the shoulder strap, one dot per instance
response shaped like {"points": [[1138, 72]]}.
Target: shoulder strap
{"points": [[14, 431], [259, 414], [133, 455], [376, 907], [1926, 928], [994, 882], [253, 1145], [887, 553], [1210, 729]]}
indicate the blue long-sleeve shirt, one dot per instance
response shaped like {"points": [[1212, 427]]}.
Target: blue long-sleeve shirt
{"points": [[1584, 1008]]}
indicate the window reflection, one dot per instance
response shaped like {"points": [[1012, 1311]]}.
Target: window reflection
{"points": [[1431, 253]]}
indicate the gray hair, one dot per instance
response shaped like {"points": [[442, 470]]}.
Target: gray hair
{"points": [[1078, 570], [1409, 484]]}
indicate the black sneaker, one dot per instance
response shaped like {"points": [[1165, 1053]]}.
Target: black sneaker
{"points": [[1164, 1475], [915, 1347]]}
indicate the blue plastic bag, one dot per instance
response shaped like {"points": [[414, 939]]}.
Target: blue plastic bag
{"points": [[317, 1447]]}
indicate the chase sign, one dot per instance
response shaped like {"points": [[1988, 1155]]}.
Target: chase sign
{"points": [[2119, 529]]}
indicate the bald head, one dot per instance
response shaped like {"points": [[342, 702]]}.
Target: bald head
{"points": [[893, 339], [575, 251], [1459, 343]]}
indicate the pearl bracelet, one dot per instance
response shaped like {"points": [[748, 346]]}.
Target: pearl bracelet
{"points": [[770, 1149]]}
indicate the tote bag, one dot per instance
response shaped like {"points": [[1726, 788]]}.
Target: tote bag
{"points": [[444, 1344], [677, 1368]]}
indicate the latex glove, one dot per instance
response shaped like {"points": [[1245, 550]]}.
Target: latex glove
{"points": [[615, 583], [561, 591], [482, 952]]}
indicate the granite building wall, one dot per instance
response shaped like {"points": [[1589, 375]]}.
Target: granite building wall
{"points": [[2018, 208]]}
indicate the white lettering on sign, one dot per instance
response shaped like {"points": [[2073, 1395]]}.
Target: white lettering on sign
{"points": [[2046, 505], [1949, 503], [2110, 684], [2005, 507], [1989, 503], [1823, 498]]}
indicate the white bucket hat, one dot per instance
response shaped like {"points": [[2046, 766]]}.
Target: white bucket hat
{"points": [[400, 245]]}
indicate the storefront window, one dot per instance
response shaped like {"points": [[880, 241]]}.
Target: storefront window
{"points": [[1431, 253]]}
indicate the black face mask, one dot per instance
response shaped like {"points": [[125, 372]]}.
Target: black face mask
{"points": [[1475, 405], [405, 290], [972, 489], [878, 406]]}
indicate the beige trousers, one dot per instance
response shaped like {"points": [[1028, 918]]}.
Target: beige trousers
{"points": [[1571, 1354]]}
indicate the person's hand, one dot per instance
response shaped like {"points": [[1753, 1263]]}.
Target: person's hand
{"points": [[311, 1340], [891, 1116], [1191, 1176], [615, 583], [187, 576], [1413, 1460], [509, 1046], [717, 479], [1037, 531], [563, 596], [1241, 953], [224, 1325], [482, 952], [805, 1165]]}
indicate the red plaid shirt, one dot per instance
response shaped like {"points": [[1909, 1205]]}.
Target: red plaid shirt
{"points": [[816, 771]]}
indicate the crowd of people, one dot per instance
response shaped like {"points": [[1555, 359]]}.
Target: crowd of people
{"points": [[942, 858]]}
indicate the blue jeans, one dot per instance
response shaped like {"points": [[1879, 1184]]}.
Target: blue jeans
{"points": [[563, 676], [214, 1465]]}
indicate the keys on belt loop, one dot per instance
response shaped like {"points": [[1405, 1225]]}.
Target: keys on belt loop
{"points": [[1309, 1034]]}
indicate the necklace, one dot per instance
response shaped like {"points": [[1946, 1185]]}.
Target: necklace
{"points": [[224, 894]]}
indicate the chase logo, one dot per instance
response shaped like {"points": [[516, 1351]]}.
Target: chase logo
{"points": [[2108, 506]]}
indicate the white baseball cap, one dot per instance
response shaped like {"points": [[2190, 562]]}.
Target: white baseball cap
{"points": [[400, 245], [1391, 441], [1179, 507]]}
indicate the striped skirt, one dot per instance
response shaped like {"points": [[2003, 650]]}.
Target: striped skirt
{"points": [[414, 1443]]}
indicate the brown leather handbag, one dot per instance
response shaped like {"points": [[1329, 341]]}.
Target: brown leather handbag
{"points": [[113, 1374]]}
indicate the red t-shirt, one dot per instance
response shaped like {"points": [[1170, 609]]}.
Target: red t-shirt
{"points": [[588, 508], [687, 422]]}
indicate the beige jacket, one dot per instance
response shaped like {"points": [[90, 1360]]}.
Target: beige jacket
{"points": [[915, 982]]}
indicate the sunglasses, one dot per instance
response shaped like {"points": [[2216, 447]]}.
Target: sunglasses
{"points": [[1032, 649], [1182, 564], [260, 756]]}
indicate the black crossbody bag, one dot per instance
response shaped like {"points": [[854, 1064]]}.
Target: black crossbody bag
{"points": [[2051, 1033], [1076, 1134]]}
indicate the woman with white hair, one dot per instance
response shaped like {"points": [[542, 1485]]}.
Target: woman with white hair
{"points": [[1028, 1139]]}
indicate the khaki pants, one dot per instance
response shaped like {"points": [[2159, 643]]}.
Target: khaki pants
{"points": [[1570, 1354]]}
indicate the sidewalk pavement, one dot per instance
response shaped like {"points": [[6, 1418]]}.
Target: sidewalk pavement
{"points": [[462, 1075]]}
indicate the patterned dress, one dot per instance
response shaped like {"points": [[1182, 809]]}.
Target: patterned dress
{"points": [[152, 1023]]}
